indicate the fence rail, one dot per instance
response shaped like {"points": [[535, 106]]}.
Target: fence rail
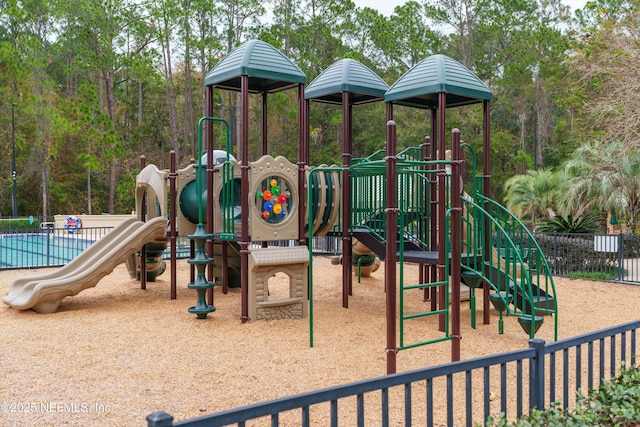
{"points": [[460, 393], [44, 245], [613, 257]]}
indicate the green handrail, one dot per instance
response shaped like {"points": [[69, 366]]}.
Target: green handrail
{"points": [[514, 260]]}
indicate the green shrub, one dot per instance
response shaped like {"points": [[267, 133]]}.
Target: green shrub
{"points": [[567, 254], [588, 223], [615, 403], [611, 274], [19, 224]]}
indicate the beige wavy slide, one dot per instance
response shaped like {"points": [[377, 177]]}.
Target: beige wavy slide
{"points": [[43, 293]]}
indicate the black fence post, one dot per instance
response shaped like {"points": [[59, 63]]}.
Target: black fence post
{"points": [[621, 272], [159, 419], [536, 375], [555, 254]]}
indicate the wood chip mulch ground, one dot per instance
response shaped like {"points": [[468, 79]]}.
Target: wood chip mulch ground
{"points": [[115, 353]]}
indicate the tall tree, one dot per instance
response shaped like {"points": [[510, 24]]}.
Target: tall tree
{"points": [[237, 17], [390, 46], [463, 18], [39, 20], [100, 38], [14, 78], [189, 126], [549, 49], [605, 67], [165, 15]]}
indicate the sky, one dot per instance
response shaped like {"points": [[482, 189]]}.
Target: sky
{"points": [[386, 6]]}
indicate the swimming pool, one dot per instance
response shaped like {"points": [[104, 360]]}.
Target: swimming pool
{"points": [[32, 250]]}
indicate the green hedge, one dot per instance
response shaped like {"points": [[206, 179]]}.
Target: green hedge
{"points": [[19, 224], [567, 254], [615, 403]]}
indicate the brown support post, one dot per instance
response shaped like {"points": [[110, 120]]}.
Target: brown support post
{"points": [[265, 121], [173, 217], [389, 113], [225, 267], [265, 134], [305, 144], [456, 214], [244, 203], [486, 170], [350, 155], [442, 196], [347, 256], [303, 159], [391, 213], [208, 144], [142, 260]]}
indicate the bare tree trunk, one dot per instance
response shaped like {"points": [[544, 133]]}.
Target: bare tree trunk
{"points": [[109, 80], [45, 191], [171, 98], [41, 140], [544, 125], [140, 113], [89, 192], [189, 120]]}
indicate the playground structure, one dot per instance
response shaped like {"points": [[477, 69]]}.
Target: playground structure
{"points": [[403, 207]]}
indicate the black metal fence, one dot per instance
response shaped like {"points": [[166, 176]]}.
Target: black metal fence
{"points": [[456, 394], [38, 243], [613, 257], [598, 256], [43, 245]]}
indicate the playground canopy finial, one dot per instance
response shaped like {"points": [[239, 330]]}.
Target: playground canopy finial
{"points": [[347, 75], [268, 69], [419, 87]]}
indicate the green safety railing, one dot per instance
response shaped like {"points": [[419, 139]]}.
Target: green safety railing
{"points": [[229, 198], [499, 249], [513, 264]]}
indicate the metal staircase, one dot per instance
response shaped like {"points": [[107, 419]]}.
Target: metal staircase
{"points": [[497, 248]]}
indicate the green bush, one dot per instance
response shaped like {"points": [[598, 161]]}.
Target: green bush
{"points": [[19, 224], [611, 274], [569, 254], [588, 223], [615, 403]]}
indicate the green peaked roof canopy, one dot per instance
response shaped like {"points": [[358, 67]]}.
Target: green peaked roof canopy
{"points": [[419, 87], [347, 75], [268, 69]]}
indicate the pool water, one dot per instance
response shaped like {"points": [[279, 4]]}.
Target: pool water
{"points": [[39, 250]]}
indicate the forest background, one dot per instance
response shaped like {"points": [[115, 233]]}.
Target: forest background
{"points": [[89, 86]]}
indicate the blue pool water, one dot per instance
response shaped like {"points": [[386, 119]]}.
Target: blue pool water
{"points": [[39, 250]]}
